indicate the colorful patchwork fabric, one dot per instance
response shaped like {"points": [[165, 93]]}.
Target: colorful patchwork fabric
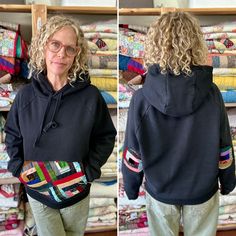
{"points": [[221, 61], [102, 44], [96, 35], [132, 161], [98, 61], [131, 44], [137, 28], [220, 35], [221, 44], [224, 27], [100, 27], [10, 65], [58, 180], [11, 44], [226, 157], [131, 64]]}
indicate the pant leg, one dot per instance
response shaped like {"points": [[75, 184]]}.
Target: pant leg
{"points": [[201, 220], [48, 221], [163, 219], [75, 217]]}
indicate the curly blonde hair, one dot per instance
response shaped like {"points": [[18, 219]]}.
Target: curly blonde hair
{"points": [[175, 42], [37, 61]]}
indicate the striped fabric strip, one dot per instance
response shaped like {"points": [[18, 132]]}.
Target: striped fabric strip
{"points": [[226, 157], [132, 161], [58, 180]]}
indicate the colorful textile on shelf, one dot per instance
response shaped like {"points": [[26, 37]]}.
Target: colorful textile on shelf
{"points": [[220, 35], [103, 72], [109, 96], [99, 61], [105, 27], [224, 71], [10, 65], [229, 96], [131, 64], [223, 27], [225, 82], [108, 84], [131, 44], [221, 44], [221, 61], [97, 35], [103, 44], [11, 44]]}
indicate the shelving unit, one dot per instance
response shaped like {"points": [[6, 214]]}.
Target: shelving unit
{"points": [[158, 11]]}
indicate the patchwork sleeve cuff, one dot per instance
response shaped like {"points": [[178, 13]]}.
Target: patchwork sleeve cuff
{"points": [[226, 157], [132, 161]]}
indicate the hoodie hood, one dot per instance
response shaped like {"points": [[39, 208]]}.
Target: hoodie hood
{"points": [[44, 90], [177, 95]]}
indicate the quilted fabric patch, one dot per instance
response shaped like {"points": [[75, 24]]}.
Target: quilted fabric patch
{"points": [[226, 157], [59, 180], [132, 161]]}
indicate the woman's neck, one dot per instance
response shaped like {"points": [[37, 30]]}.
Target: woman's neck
{"points": [[57, 82]]}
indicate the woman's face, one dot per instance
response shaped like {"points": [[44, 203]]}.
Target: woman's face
{"points": [[58, 63]]}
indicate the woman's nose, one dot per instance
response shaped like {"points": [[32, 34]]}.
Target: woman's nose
{"points": [[62, 52]]}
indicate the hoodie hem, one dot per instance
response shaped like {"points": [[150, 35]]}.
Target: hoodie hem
{"points": [[58, 205], [193, 201]]}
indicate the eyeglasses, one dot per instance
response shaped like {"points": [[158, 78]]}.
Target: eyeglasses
{"points": [[55, 46]]}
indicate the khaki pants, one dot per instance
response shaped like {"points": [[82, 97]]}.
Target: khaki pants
{"points": [[198, 220], [69, 221]]}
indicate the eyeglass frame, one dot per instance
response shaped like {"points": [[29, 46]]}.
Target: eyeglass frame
{"points": [[61, 46]]}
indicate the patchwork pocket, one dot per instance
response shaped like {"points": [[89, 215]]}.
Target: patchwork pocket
{"points": [[58, 180]]}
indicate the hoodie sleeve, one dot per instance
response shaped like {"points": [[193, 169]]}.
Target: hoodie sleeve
{"points": [[132, 168], [14, 141], [226, 159], [102, 141]]}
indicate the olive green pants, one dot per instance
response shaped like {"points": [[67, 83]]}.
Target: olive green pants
{"points": [[69, 221], [198, 220]]}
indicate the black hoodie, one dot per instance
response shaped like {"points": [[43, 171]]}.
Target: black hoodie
{"points": [[71, 125], [178, 136]]}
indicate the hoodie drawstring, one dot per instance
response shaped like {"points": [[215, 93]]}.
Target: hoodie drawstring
{"points": [[52, 123]]}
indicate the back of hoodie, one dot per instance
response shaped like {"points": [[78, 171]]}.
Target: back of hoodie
{"points": [[178, 136]]}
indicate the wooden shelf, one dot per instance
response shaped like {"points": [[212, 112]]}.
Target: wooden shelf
{"points": [[83, 10], [15, 8], [61, 9], [195, 11], [12, 180]]}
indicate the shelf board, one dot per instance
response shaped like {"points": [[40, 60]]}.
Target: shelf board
{"points": [[83, 10], [15, 8], [12, 180], [195, 11]]}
